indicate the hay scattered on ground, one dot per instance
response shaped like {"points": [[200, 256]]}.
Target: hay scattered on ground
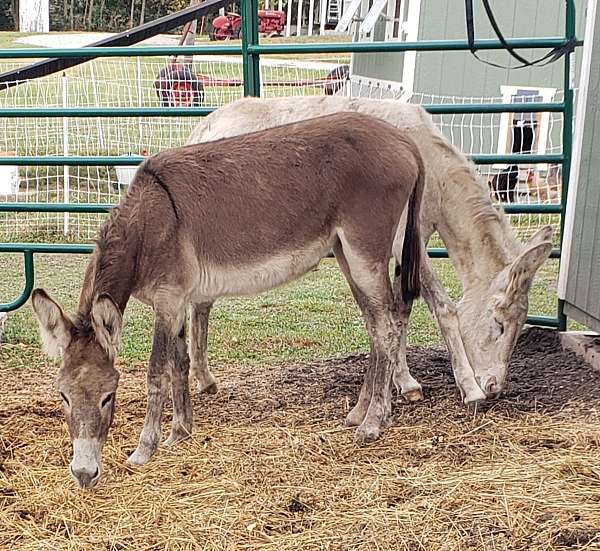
{"points": [[270, 466]]}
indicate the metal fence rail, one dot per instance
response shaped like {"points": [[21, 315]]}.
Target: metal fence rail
{"points": [[251, 50]]}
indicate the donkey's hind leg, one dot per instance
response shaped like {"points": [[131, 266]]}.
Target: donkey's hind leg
{"points": [[181, 427], [199, 348], [358, 412], [371, 287]]}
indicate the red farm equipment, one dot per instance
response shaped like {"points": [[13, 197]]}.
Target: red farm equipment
{"points": [[270, 22]]}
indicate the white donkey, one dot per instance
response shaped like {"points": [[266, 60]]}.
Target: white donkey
{"points": [[494, 267]]}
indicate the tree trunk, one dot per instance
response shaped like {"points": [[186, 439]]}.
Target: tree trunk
{"points": [[71, 16], [15, 13], [131, 12], [102, 4], [142, 12], [90, 13]]}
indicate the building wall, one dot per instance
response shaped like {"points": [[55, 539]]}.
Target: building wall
{"points": [[582, 294], [448, 77], [457, 77], [460, 74]]}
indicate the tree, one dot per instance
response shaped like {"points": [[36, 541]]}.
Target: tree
{"points": [[131, 13]]}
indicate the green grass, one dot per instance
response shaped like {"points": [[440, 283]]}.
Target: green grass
{"points": [[9, 40], [314, 317]]}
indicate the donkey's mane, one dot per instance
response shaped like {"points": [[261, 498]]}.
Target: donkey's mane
{"points": [[113, 264], [82, 326], [482, 212]]}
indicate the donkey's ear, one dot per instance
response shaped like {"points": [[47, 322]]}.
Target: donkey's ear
{"points": [[55, 326], [543, 235], [107, 321], [523, 269]]}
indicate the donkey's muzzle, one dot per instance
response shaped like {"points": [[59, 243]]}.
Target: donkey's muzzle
{"points": [[491, 386], [86, 466], [84, 477]]}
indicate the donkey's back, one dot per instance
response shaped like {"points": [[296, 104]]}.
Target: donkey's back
{"points": [[248, 213]]}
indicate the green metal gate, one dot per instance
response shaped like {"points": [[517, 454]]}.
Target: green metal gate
{"points": [[251, 51]]}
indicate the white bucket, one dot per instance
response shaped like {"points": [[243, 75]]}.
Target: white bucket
{"points": [[9, 176], [125, 174]]}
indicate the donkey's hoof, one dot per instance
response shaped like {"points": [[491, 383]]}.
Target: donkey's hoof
{"points": [[413, 395], [355, 417], [139, 457], [474, 397], [210, 389], [367, 433], [176, 437]]}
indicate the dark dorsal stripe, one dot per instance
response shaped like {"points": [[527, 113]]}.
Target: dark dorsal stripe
{"points": [[148, 170]]}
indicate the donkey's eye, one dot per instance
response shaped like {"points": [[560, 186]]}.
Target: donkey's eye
{"points": [[65, 399], [107, 400], [500, 326]]}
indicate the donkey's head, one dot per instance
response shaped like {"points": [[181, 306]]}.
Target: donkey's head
{"points": [[492, 318], [87, 379]]}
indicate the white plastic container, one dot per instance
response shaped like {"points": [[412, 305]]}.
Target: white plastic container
{"points": [[9, 176], [125, 174]]}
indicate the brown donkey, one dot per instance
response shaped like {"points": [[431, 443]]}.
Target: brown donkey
{"points": [[237, 217]]}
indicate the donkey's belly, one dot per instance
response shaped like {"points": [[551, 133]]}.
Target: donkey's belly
{"points": [[250, 278]]}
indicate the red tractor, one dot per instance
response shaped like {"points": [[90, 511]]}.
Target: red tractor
{"points": [[227, 26]]}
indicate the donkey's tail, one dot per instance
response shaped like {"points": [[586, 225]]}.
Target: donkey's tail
{"points": [[410, 273]]}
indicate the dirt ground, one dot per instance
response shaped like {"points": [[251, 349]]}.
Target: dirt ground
{"points": [[271, 467]]}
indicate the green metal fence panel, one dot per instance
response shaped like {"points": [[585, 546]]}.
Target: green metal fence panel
{"points": [[133, 160], [251, 51], [29, 279], [84, 112], [257, 49]]}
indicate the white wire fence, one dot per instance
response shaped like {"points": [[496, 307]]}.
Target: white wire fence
{"points": [[130, 82]]}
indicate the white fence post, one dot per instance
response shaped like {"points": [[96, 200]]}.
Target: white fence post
{"points": [[289, 18], [322, 16], [97, 102], [311, 10], [141, 95], [34, 16], [299, 22], [67, 191]]}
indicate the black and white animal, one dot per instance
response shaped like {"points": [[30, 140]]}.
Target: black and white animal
{"points": [[504, 184]]}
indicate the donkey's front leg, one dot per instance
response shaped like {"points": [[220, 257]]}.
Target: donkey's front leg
{"points": [[357, 414], [181, 427], [403, 380], [157, 380], [444, 310]]}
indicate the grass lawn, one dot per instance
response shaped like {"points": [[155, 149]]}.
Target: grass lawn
{"points": [[314, 317]]}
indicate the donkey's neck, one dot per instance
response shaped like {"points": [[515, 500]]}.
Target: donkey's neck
{"points": [[479, 238], [112, 266]]}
